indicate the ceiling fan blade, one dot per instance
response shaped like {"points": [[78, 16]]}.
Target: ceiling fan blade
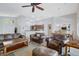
{"points": [[33, 8], [35, 4], [27, 6], [39, 7]]}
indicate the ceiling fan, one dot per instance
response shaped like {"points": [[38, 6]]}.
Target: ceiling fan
{"points": [[33, 5]]}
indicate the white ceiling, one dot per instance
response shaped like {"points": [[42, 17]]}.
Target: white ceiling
{"points": [[51, 10]]}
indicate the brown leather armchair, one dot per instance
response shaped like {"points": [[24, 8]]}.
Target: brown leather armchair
{"points": [[37, 37], [56, 42]]}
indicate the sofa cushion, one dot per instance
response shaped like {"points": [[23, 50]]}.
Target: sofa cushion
{"points": [[38, 35], [59, 37], [16, 35], [54, 42]]}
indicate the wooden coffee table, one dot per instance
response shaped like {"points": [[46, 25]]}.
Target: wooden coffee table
{"points": [[17, 43]]}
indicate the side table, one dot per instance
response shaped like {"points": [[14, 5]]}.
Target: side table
{"points": [[71, 43]]}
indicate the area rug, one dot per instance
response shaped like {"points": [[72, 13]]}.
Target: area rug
{"points": [[26, 51], [11, 54]]}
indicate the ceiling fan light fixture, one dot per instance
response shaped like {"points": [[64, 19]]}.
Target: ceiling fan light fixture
{"points": [[33, 6]]}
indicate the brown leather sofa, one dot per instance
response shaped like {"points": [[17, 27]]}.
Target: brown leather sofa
{"points": [[13, 41], [37, 37], [56, 42]]}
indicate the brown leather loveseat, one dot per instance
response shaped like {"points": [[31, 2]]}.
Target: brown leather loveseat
{"points": [[37, 37]]}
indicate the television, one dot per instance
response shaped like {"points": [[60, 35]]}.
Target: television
{"points": [[63, 28]]}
